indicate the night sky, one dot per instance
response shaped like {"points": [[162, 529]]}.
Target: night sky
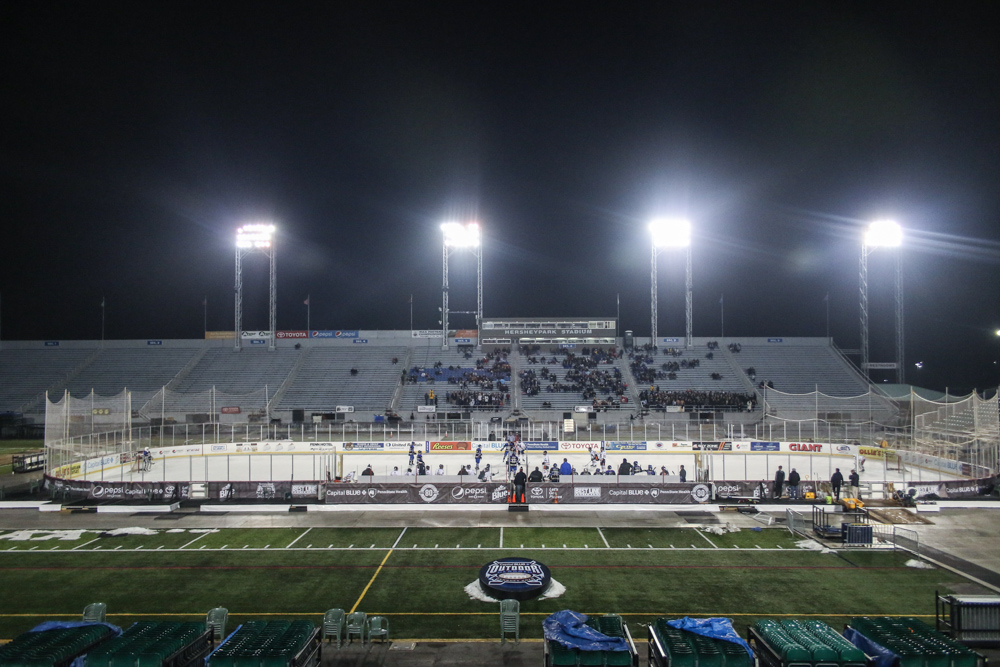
{"points": [[137, 137]]}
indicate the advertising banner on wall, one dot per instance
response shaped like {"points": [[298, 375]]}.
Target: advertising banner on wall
{"points": [[625, 446], [541, 445], [363, 446], [582, 446], [712, 446], [453, 493], [428, 493], [668, 446], [142, 491], [220, 335], [963, 488], [334, 333], [448, 446], [293, 334]]}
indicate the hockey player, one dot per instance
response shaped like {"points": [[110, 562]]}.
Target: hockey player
{"points": [[479, 456]]}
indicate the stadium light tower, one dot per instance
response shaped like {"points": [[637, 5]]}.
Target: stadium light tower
{"points": [[882, 234], [456, 236], [250, 238], [668, 233]]}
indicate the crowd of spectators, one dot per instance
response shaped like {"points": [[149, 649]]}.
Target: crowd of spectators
{"points": [[690, 399], [473, 398], [583, 375]]}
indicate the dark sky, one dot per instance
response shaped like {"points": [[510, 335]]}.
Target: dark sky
{"points": [[138, 136]]}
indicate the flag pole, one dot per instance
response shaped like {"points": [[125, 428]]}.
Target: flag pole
{"points": [[722, 315], [308, 312], [204, 306], [411, 314], [102, 321], [826, 300]]}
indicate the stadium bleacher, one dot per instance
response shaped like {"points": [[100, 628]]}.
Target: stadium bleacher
{"points": [[317, 375], [445, 372], [325, 380]]}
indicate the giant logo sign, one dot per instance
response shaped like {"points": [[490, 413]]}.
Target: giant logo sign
{"points": [[514, 578]]}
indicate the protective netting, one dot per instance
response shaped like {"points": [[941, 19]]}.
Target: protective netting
{"points": [[204, 406], [868, 408], [960, 428]]}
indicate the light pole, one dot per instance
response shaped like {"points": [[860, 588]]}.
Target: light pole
{"points": [[670, 233], [251, 238], [882, 234], [456, 236]]}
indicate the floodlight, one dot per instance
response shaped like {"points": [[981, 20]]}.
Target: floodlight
{"points": [[254, 236], [884, 234], [998, 332], [461, 236], [670, 233]]}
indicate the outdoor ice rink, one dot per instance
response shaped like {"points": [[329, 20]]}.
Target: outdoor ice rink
{"points": [[284, 466]]}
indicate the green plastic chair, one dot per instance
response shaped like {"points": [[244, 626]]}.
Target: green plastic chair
{"points": [[216, 623], [378, 626], [356, 622], [95, 612], [510, 620], [333, 624]]}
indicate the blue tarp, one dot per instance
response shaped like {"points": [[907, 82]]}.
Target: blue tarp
{"points": [[883, 656], [716, 628], [569, 629], [62, 625]]}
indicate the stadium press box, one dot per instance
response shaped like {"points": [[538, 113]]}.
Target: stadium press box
{"points": [[556, 655], [52, 648], [916, 643], [673, 647], [802, 644], [154, 644], [269, 644]]}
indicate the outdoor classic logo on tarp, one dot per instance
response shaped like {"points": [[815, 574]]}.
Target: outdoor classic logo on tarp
{"points": [[517, 578]]}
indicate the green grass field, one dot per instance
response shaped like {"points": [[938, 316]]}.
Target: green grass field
{"points": [[416, 576]]}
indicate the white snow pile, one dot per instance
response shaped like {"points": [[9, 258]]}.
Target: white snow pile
{"points": [[135, 530], [203, 530], [721, 529], [919, 564], [42, 535], [175, 530], [813, 545], [475, 592]]}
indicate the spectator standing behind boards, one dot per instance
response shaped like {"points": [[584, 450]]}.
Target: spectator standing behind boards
{"points": [[565, 468], [683, 473], [520, 481], [793, 484], [536, 475], [836, 482], [625, 468], [440, 470], [855, 480], [779, 481], [368, 472], [395, 471]]}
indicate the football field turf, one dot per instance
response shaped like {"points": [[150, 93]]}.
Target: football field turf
{"points": [[416, 576]]}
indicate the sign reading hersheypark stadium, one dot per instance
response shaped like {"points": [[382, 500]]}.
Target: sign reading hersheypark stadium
{"points": [[514, 578]]}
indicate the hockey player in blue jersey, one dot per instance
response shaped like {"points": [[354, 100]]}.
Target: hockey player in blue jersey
{"points": [[413, 447], [479, 456]]}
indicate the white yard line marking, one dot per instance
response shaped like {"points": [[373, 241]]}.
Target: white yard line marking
{"points": [[458, 546], [601, 533], [671, 546], [267, 546], [309, 546], [298, 538], [194, 540], [501, 537], [224, 546], [585, 546], [159, 547], [479, 546], [414, 546], [522, 546], [36, 546], [246, 546], [138, 547], [629, 546], [330, 547], [737, 546], [650, 546], [693, 546], [118, 547], [350, 546], [401, 533], [81, 545], [372, 546], [706, 538], [757, 545], [778, 545]]}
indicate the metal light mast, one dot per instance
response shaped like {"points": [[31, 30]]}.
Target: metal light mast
{"points": [[256, 238], [882, 234], [671, 234], [456, 236]]}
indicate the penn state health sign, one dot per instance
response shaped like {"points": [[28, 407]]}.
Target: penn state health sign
{"points": [[514, 578]]}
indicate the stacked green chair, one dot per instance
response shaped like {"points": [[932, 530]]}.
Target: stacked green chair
{"points": [[95, 612], [152, 644], [216, 622], [333, 624], [52, 648], [264, 644], [356, 622], [378, 626], [916, 643], [510, 620]]}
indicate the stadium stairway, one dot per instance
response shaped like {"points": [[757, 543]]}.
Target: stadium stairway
{"points": [[184, 372], [292, 374], [397, 396]]}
